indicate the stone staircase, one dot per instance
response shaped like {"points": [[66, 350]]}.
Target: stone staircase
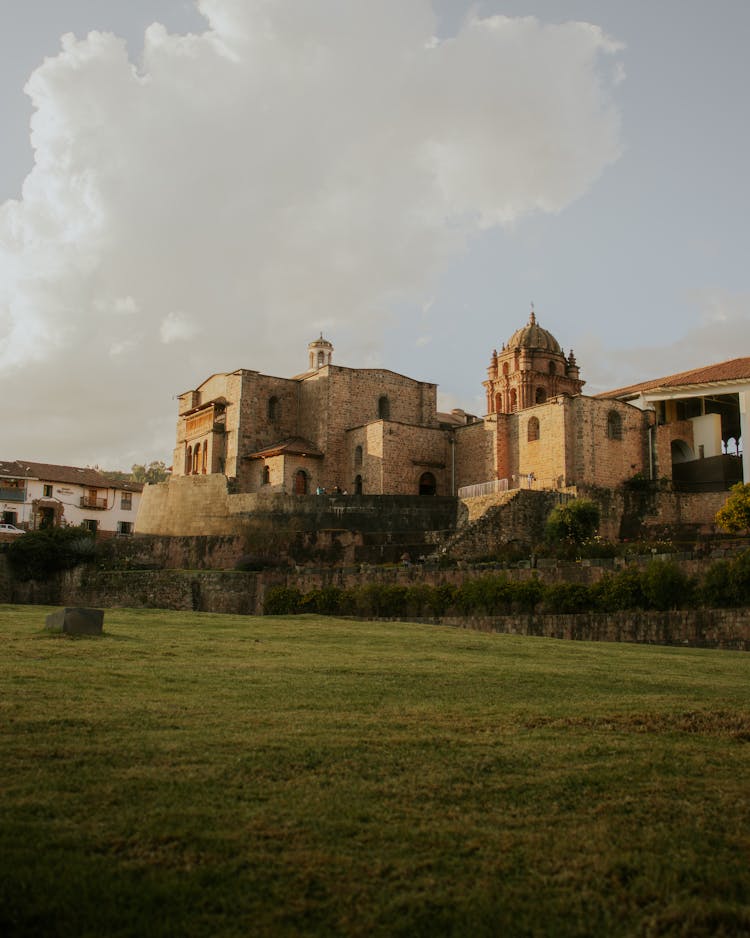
{"points": [[518, 516]]}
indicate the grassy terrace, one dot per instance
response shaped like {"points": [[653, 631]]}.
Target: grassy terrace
{"points": [[194, 774]]}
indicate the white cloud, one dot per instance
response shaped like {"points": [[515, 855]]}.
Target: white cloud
{"points": [[293, 164], [176, 327]]}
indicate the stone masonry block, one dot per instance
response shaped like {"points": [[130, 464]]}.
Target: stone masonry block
{"points": [[78, 620]]}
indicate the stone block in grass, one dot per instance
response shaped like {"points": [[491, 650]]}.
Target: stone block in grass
{"points": [[77, 620]]}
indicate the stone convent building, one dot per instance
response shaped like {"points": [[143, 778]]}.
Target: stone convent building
{"points": [[373, 432]]}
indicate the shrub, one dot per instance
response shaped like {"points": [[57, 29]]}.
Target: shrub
{"points": [[565, 598], [734, 515], [716, 587], [574, 523], [621, 590], [40, 554], [282, 600], [323, 602], [526, 595], [665, 585]]}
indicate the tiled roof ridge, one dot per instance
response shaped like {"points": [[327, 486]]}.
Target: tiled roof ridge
{"points": [[70, 475]]}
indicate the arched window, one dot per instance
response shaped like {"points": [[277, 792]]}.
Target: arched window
{"points": [[196, 458], [384, 408], [321, 359], [498, 403], [204, 466], [513, 400], [541, 395], [506, 368], [681, 452], [274, 409], [533, 430], [358, 485], [427, 484], [614, 425], [266, 475], [300, 482], [552, 368], [188, 460], [357, 457]]}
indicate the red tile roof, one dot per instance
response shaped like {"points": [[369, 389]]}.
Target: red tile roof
{"points": [[67, 475], [293, 446], [736, 369]]}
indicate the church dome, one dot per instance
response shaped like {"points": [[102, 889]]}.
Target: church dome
{"points": [[533, 336]]}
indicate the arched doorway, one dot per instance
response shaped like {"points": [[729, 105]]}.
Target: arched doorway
{"points": [[358, 485], [427, 484], [300, 482]]}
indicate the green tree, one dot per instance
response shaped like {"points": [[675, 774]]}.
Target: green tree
{"points": [[156, 471], [40, 554], [734, 515], [575, 522]]}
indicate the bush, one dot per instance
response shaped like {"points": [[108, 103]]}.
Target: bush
{"points": [[734, 515], [574, 523], [618, 591], [282, 600], [666, 586], [40, 554], [566, 598], [716, 588], [323, 602]]}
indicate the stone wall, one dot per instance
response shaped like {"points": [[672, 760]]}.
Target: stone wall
{"points": [[727, 629], [243, 594]]}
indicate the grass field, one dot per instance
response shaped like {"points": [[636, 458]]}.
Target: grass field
{"points": [[194, 774]]}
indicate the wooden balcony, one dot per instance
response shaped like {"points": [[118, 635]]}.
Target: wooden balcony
{"points": [[88, 501]]}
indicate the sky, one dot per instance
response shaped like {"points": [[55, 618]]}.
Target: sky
{"points": [[195, 187]]}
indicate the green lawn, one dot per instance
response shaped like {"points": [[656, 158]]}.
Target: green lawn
{"points": [[195, 774]]}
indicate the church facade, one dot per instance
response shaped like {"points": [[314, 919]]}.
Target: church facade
{"points": [[375, 432]]}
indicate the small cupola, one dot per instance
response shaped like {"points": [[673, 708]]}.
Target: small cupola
{"points": [[320, 353]]}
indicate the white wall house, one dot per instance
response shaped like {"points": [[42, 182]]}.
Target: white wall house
{"points": [[37, 495]]}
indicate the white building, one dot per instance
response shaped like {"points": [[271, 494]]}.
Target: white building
{"points": [[38, 495]]}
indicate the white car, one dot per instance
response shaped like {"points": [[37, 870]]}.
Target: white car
{"points": [[10, 529]]}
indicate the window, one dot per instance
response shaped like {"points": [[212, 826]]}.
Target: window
{"points": [[125, 528], [48, 491], [126, 502], [204, 467], [10, 517], [274, 410], [614, 425], [358, 485], [513, 400], [427, 484], [300, 482], [90, 525], [541, 396], [533, 430], [357, 457], [506, 368], [321, 359], [384, 408], [266, 480], [552, 368]]}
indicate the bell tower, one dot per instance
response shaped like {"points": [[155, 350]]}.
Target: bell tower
{"points": [[320, 353]]}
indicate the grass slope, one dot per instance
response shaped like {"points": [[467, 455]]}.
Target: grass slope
{"points": [[195, 774]]}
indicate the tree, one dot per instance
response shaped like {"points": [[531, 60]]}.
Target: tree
{"points": [[156, 471], [575, 522], [734, 515]]}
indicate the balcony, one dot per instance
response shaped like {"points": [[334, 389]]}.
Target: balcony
{"points": [[88, 501], [12, 495]]}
